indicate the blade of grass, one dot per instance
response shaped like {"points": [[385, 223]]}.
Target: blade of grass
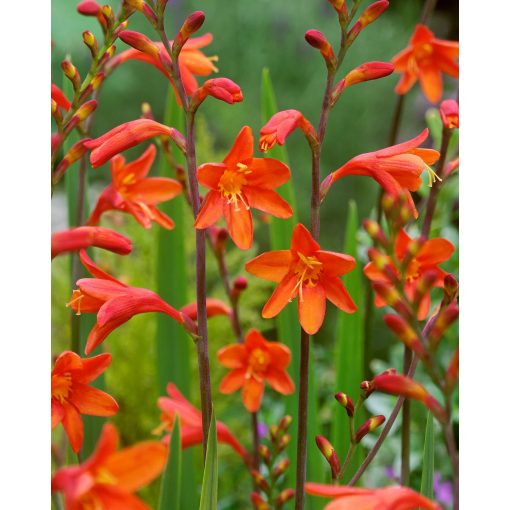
{"points": [[170, 492], [427, 474], [173, 346], [209, 495], [349, 356]]}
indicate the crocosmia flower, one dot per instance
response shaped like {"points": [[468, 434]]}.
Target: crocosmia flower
{"points": [[238, 184], [115, 303], [133, 192], [191, 422], [357, 498], [72, 395], [427, 260], [108, 478], [308, 273], [397, 168], [252, 363], [425, 59]]}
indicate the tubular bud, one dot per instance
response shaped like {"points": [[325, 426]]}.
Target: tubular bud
{"points": [[122, 26], [108, 15], [452, 373], [346, 402], [392, 297], [265, 453], [449, 111], [274, 433], [259, 502], [280, 468], [384, 264], [341, 8], [285, 423], [444, 320], [240, 285], [140, 42], [81, 114], [71, 73], [372, 12], [283, 497], [55, 112], [260, 480], [90, 40], [406, 334], [73, 155], [89, 8], [317, 40], [367, 427], [192, 23], [220, 88], [423, 287], [283, 443], [451, 289], [376, 232], [329, 453], [367, 387]]}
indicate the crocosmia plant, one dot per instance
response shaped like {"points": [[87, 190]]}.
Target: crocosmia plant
{"points": [[254, 307]]}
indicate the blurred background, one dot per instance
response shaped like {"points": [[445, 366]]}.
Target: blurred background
{"points": [[248, 36]]}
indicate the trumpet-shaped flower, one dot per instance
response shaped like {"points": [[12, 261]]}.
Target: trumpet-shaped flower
{"points": [[239, 183], [253, 362], [72, 395], [192, 61], [191, 422], [133, 192], [397, 168], [115, 303], [79, 238], [357, 498], [307, 272], [108, 478], [426, 261], [425, 59]]}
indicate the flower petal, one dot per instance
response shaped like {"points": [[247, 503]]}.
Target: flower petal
{"points": [[232, 356], [94, 270], [211, 210], [268, 201], [267, 173], [57, 413], [136, 170], [154, 190], [272, 265], [93, 367], [280, 354], [338, 295], [209, 174], [92, 401], [431, 83], [113, 498], [279, 380], [282, 295], [303, 242], [336, 264], [312, 307], [435, 251], [73, 425], [233, 381], [253, 391], [239, 224], [99, 333], [242, 149]]}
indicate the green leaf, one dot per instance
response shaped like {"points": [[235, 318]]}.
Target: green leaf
{"points": [[435, 126], [349, 352], [209, 496], [170, 492], [427, 474], [173, 346]]}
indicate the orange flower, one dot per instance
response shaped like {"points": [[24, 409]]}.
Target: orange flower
{"points": [[71, 395], [308, 272], [132, 192], [108, 478], [239, 183], [425, 59], [397, 168], [357, 498], [253, 362], [192, 61], [115, 303], [430, 255], [191, 422]]}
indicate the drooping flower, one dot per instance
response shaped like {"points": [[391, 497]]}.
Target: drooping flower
{"points": [[191, 422], [426, 261], [79, 238], [108, 478], [115, 303], [133, 192], [192, 61], [252, 363], [72, 395], [280, 125], [239, 183], [357, 498], [220, 88], [307, 272], [397, 168], [424, 59]]}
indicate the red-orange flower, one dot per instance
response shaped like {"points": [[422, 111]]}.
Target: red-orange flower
{"points": [[425, 59], [115, 303], [132, 192], [357, 498], [80, 238], [108, 478], [192, 61], [397, 168], [239, 183], [59, 97], [252, 363], [71, 395], [191, 422], [449, 112], [426, 261], [308, 272]]}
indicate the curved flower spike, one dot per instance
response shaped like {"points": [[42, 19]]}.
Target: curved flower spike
{"points": [[191, 422], [424, 59], [397, 168], [220, 88], [115, 303], [307, 272], [357, 498], [108, 478], [238, 184], [425, 262], [128, 135], [280, 125], [252, 363], [79, 238], [133, 192], [72, 395]]}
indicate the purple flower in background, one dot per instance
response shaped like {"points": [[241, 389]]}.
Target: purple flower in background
{"points": [[442, 490], [389, 471], [262, 429]]}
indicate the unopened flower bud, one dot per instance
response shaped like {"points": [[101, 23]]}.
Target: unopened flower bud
{"points": [[280, 469], [240, 285], [73, 155], [259, 502], [220, 88], [367, 388], [90, 40], [346, 402], [108, 14], [392, 297], [283, 443], [406, 334], [367, 427], [285, 423], [329, 453], [71, 73], [449, 111], [376, 232], [444, 320], [318, 40], [372, 12], [88, 8], [260, 481], [265, 453], [452, 373], [384, 264], [274, 433], [192, 23], [140, 42], [341, 8], [451, 289], [283, 497], [423, 287], [81, 114]]}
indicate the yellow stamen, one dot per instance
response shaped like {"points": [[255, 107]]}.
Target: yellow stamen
{"points": [[258, 361], [76, 298], [129, 179], [433, 177], [105, 477], [61, 386], [309, 271], [231, 185]]}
